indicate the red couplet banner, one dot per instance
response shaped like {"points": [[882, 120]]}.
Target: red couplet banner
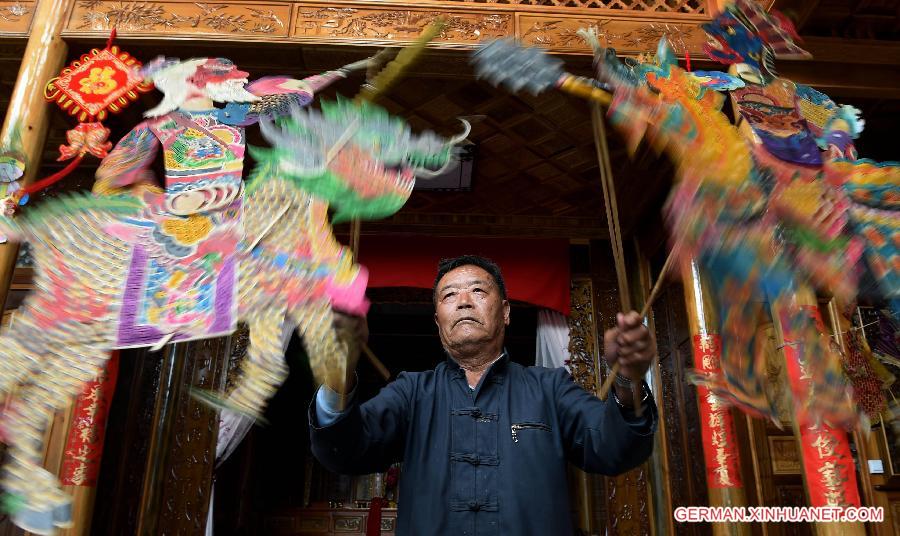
{"points": [[828, 464], [84, 445], [535, 271], [716, 423]]}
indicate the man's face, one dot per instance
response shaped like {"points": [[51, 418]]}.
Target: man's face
{"points": [[470, 312]]}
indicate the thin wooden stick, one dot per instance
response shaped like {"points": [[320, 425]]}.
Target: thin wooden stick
{"points": [[658, 285], [379, 366], [404, 58], [607, 384], [611, 205], [615, 235], [355, 227]]}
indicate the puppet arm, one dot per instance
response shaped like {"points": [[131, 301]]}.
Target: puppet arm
{"points": [[304, 89], [278, 95], [318, 82], [127, 167]]}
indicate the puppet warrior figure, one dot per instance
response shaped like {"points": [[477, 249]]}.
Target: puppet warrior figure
{"points": [[137, 266]]}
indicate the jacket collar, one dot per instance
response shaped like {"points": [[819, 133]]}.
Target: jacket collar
{"points": [[496, 372]]}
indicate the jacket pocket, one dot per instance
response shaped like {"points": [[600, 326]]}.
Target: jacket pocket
{"points": [[517, 427]]}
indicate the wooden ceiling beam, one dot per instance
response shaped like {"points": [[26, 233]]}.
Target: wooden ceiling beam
{"points": [[838, 50], [487, 225], [798, 11], [845, 79]]}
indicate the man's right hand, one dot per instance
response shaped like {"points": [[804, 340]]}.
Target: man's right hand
{"points": [[354, 332]]}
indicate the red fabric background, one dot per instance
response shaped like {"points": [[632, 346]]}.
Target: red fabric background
{"points": [[535, 271]]}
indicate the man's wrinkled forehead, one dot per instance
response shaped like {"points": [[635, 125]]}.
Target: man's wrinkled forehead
{"points": [[465, 276], [467, 283], [216, 71]]}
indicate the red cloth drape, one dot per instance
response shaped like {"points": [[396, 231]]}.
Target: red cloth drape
{"points": [[535, 271], [373, 522]]}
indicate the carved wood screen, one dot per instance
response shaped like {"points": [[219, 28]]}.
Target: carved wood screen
{"points": [[156, 476], [623, 504], [630, 26], [665, 6], [681, 420], [587, 491], [627, 500], [618, 505]]}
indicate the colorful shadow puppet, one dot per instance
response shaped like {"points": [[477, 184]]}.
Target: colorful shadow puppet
{"points": [[788, 208], [765, 219], [133, 264]]}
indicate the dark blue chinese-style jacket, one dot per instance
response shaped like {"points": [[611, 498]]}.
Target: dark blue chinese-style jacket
{"points": [[487, 461]]}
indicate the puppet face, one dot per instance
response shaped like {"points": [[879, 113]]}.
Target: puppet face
{"points": [[221, 81], [745, 33], [470, 312], [180, 81], [216, 71]]}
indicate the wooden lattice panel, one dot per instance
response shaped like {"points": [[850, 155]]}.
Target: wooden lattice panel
{"points": [[658, 6]]}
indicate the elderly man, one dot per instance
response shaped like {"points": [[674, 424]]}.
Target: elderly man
{"points": [[484, 441]]}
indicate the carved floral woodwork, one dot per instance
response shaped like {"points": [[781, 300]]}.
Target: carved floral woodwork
{"points": [[681, 6], [240, 341], [559, 33], [627, 505], [629, 509], [629, 26], [397, 25], [582, 339], [785, 455], [674, 427], [627, 502], [256, 18], [348, 523], [185, 485], [15, 17]]}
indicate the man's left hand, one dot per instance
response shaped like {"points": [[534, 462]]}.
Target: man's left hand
{"points": [[630, 344]]}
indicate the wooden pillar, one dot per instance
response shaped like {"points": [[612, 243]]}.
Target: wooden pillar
{"points": [[86, 433], [28, 113], [177, 483], [719, 439], [828, 470], [662, 519], [28, 118]]}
